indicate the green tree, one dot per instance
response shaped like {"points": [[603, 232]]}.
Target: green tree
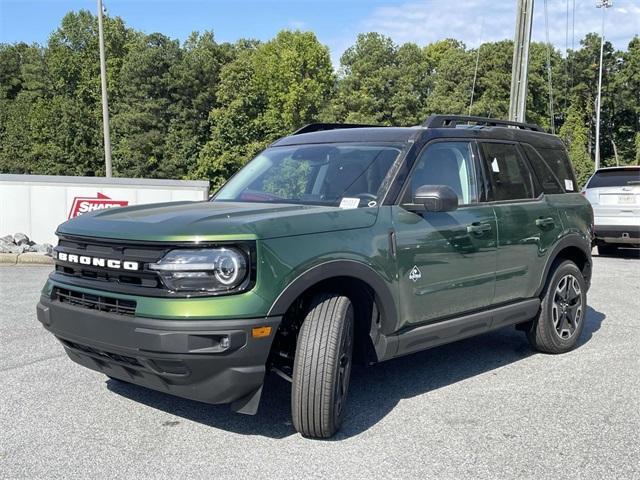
{"points": [[142, 113], [201, 109], [575, 134], [453, 68], [584, 66], [268, 91], [366, 81], [195, 78], [626, 92]]}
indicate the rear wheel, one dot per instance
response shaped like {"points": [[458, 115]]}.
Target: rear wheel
{"points": [[322, 366], [560, 321]]}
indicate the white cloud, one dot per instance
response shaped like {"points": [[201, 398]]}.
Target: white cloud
{"points": [[473, 21], [298, 25]]}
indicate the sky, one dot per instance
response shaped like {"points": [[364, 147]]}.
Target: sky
{"points": [[335, 22]]}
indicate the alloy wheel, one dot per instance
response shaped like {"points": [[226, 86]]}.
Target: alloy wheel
{"points": [[566, 311]]}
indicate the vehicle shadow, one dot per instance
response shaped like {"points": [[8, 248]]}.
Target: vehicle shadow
{"points": [[622, 253], [374, 391]]}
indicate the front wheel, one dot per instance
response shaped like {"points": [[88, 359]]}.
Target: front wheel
{"points": [[322, 366], [562, 314]]}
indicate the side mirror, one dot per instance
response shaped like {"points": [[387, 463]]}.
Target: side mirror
{"points": [[434, 198]]}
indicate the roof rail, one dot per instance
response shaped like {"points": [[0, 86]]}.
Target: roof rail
{"points": [[318, 127], [452, 121]]}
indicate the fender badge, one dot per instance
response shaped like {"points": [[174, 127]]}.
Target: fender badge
{"points": [[415, 274]]}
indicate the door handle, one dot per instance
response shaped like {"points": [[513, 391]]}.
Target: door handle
{"points": [[544, 222], [478, 228]]}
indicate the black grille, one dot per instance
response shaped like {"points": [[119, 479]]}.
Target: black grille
{"points": [[95, 302], [101, 353], [142, 281]]}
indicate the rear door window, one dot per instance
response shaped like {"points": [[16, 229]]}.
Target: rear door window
{"points": [[615, 178], [508, 173]]}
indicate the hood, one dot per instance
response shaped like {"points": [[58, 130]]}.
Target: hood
{"points": [[189, 221]]}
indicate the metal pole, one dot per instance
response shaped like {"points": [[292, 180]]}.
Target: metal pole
{"points": [[105, 101], [604, 4], [520, 67]]}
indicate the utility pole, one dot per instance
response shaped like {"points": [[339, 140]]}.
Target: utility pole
{"points": [[105, 101], [520, 68], [603, 4]]}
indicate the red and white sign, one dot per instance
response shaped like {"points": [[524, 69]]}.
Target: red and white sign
{"points": [[89, 204]]}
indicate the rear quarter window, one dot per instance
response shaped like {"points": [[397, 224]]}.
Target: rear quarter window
{"points": [[557, 160], [615, 178], [548, 179]]}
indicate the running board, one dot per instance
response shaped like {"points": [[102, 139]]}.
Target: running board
{"points": [[447, 331]]}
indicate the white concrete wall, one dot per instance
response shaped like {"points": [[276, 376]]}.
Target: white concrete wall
{"points": [[37, 204]]}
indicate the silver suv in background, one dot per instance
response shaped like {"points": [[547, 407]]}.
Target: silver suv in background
{"points": [[614, 194]]}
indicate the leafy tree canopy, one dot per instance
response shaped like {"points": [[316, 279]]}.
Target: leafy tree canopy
{"points": [[201, 109]]}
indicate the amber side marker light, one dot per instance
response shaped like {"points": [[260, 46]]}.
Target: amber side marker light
{"points": [[259, 332]]}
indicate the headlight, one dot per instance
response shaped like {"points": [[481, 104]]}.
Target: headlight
{"points": [[215, 270]]}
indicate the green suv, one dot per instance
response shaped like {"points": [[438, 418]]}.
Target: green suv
{"points": [[337, 244]]}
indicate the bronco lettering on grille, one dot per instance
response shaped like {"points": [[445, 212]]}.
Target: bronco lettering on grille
{"points": [[97, 261]]}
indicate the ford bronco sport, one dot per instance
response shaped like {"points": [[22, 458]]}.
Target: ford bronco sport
{"points": [[338, 243]]}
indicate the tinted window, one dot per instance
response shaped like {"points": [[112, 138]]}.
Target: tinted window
{"points": [[558, 161], [548, 180], [509, 175], [615, 178], [446, 163], [313, 174]]}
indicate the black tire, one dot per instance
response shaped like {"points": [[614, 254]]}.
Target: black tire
{"points": [[607, 250], [322, 366], [560, 321]]}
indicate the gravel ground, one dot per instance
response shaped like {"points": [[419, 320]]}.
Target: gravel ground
{"points": [[486, 407]]}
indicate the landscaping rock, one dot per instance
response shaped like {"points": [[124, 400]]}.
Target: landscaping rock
{"points": [[19, 248], [44, 248], [20, 239], [5, 247]]}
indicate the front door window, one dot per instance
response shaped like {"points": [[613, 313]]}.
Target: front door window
{"points": [[446, 163]]}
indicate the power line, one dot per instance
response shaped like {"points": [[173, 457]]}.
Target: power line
{"points": [[475, 73], [566, 55], [573, 39], [546, 26]]}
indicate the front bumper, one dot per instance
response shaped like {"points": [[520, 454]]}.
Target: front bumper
{"points": [[180, 357]]}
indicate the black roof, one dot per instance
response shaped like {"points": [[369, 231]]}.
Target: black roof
{"points": [[407, 134]]}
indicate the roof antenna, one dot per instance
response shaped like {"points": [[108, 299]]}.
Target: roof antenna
{"points": [[475, 73]]}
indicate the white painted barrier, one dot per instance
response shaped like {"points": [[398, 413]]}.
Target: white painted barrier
{"points": [[37, 204]]}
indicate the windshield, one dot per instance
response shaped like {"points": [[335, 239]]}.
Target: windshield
{"points": [[346, 175], [615, 178]]}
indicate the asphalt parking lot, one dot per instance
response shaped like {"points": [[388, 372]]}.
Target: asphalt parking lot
{"points": [[486, 407]]}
